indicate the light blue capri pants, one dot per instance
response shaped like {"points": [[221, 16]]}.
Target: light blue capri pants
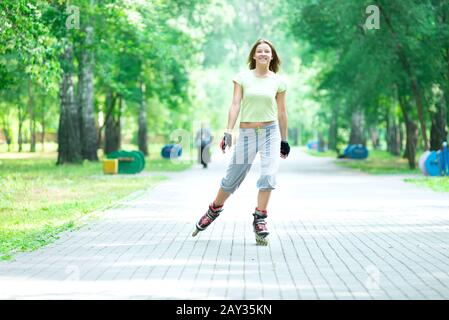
{"points": [[267, 140]]}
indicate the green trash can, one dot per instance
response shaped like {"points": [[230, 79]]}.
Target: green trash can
{"points": [[129, 162]]}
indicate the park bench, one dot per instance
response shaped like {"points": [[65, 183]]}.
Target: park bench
{"points": [[124, 162]]}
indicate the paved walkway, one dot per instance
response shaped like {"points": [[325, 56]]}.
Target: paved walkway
{"points": [[335, 234]]}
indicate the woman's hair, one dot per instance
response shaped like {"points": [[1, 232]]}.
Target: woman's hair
{"points": [[274, 63]]}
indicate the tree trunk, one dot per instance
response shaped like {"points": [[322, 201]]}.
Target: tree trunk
{"points": [[321, 142], [69, 147], [446, 95], [32, 117], [88, 131], [411, 78], [21, 119], [356, 136], [442, 20], [411, 133], [333, 130], [108, 110], [143, 130], [411, 143], [438, 132], [374, 136], [419, 106], [402, 135], [446, 87], [7, 129], [43, 123], [112, 130], [8, 138], [393, 135]]}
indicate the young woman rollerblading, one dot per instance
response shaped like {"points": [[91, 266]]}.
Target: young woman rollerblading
{"points": [[260, 94]]}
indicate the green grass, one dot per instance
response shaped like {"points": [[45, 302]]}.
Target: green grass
{"points": [[382, 162], [378, 162], [38, 199], [167, 165], [439, 184], [325, 154]]}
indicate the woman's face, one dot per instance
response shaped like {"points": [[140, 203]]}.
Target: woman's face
{"points": [[263, 54]]}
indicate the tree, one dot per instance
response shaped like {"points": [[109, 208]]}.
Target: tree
{"points": [[408, 52], [69, 144], [88, 130]]}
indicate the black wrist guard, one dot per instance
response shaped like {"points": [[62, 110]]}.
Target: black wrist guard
{"points": [[285, 148]]}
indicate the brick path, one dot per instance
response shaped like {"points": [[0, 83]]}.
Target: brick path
{"points": [[335, 234]]}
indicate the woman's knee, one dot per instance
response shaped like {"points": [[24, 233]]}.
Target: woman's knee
{"points": [[266, 182], [234, 178], [228, 187]]}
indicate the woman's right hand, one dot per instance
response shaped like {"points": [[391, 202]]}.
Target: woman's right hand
{"points": [[285, 149], [226, 141]]}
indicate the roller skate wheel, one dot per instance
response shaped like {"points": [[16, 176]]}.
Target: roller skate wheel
{"points": [[261, 241], [195, 232]]}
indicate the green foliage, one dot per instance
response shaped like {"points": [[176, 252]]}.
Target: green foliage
{"points": [[26, 44], [363, 68], [134, 42]]}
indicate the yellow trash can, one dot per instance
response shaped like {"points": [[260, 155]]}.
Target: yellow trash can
{"points": [[110, 166]]}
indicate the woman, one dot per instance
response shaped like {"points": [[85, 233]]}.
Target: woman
{"points": [[258, 91]]}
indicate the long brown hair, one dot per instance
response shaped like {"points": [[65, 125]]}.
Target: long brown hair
{"points": [[274, 64]]}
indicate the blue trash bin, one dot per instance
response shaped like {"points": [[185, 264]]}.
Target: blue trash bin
{"points": [[356, 151], [171, 151]]}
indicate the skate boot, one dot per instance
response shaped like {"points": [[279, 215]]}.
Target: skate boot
{"points": [[260, 227], [211, 214]]}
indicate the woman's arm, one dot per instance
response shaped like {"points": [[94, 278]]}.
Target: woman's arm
{"points": [[235, 107], [282, 115]]}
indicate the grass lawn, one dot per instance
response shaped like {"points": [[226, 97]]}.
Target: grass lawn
{"points": [[439, 184], [378, 162], [38, 199], [327, 153], [382, 162]]}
